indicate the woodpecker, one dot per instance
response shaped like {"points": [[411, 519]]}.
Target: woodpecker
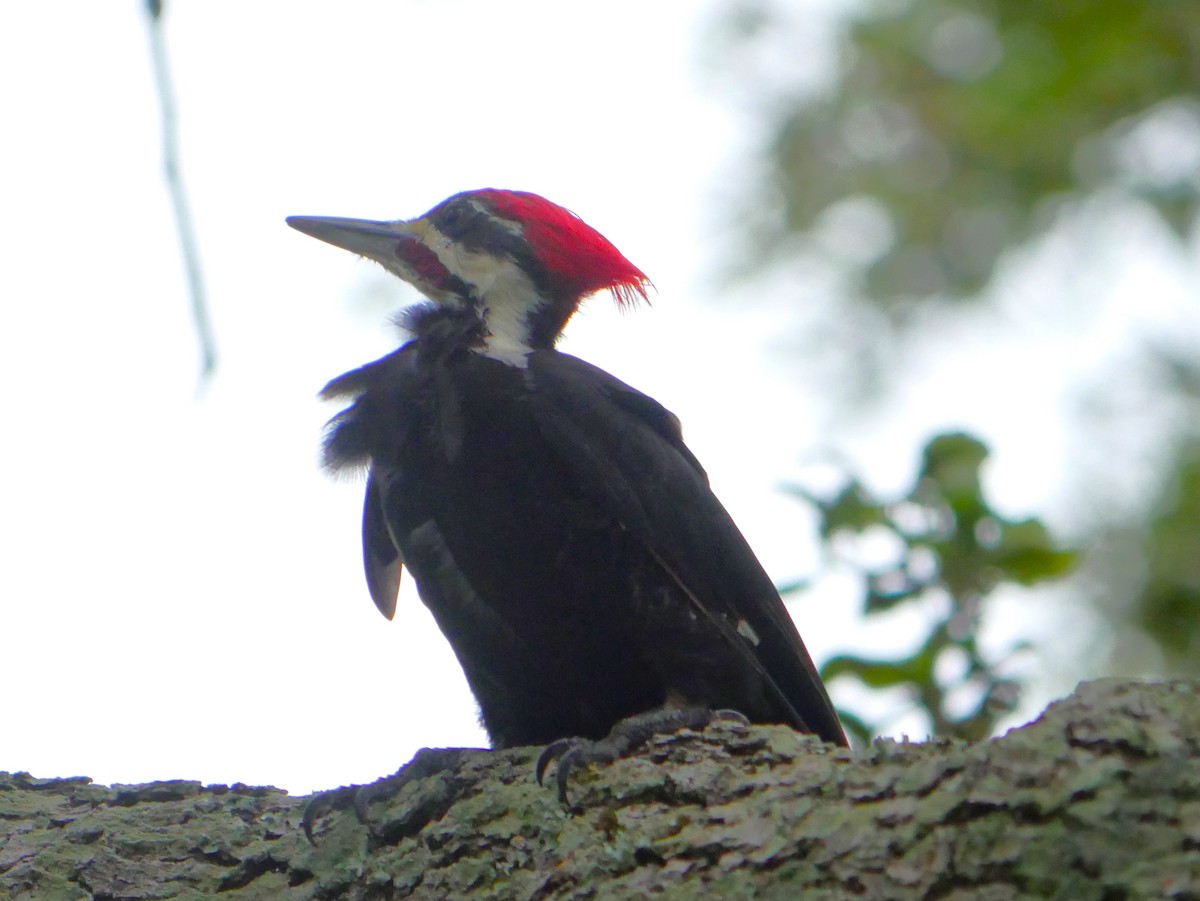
{"points": [[558, 528]]}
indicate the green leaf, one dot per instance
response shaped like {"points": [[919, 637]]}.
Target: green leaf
{"points": [[881, 674], [852, 510]]}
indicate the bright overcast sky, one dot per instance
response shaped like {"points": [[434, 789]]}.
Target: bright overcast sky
{"points": [[181, 594]]}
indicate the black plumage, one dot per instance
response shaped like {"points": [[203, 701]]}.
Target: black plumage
{"points": [[565, 539], [558, 528]]}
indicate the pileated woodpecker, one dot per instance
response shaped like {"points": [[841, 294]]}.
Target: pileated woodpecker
{"points": [[558, 528]]}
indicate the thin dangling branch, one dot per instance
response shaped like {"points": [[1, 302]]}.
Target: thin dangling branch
{"points": [[183, 219]]}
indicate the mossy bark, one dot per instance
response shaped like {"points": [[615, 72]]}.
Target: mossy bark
{"points": [[1097, 799]]}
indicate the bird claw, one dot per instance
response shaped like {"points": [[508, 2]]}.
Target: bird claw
{"points": [[570, 753], [624, 738], [426, 762], [323, 803], [357, 797]]}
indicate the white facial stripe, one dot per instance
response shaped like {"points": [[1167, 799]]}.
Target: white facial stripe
{"points": [[508, 224], [502, 288]]}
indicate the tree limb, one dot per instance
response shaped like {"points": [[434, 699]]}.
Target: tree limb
{"points": [[1098, 799]]}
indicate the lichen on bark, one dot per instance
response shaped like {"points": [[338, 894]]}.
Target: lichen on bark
{"points": [[1097, 799]]}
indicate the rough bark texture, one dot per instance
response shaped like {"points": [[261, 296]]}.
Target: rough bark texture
{"points": [[1098, 799]]}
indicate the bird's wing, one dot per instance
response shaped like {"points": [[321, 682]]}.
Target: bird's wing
{"points": [[381, 558], [628, 452], [353, 438]]}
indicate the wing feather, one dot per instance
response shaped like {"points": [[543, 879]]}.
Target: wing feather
{"points": [[627, 450], [381, 558]]}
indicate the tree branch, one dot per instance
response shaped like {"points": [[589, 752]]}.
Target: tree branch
{"points": [[179, 203], [1098, 799]]}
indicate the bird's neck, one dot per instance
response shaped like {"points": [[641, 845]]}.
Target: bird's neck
{"points": [[501, 328]]}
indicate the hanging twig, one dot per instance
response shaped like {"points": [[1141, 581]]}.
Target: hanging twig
{"points": [[183, 220]]}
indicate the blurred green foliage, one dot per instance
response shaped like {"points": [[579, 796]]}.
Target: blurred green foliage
{"points": [[953, 133], [953, 550], [959, 126], [1169, 608], [1161, 557]]}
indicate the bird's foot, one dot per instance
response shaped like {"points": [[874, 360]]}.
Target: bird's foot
{"points": [[323, 803], [426, 762], [624, 738]]}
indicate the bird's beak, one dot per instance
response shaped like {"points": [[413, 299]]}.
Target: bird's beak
{"points": [[379, 241], [397, 246]]}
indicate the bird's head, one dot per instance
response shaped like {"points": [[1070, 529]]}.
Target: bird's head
{"points": [[520, 262]]}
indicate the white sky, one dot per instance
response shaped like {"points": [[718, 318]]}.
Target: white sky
{"points": [[180, 594]]}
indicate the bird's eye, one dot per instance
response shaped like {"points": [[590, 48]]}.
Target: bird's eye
{"points": [[452, 220]]}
